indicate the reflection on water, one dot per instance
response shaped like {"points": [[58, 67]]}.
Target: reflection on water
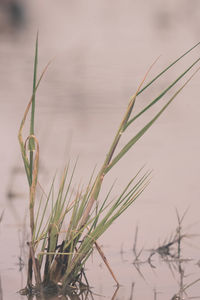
{"points": [[168, 262], [167, 271], [102, 50]]}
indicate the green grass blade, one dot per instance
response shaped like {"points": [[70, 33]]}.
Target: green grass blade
{"points": [[31, 142], [86, 196], [146, 127], [34, 87], [69, 184], [167, 68], [102, 207], [161, 95], [44, 211]]}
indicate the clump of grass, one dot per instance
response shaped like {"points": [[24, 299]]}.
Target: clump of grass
{"points": [[58, 252]]}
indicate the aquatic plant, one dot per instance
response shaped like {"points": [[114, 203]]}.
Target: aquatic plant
{"points": [[58, 252]]}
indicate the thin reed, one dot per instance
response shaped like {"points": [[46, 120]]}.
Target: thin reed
{"points": [[64, 226]]}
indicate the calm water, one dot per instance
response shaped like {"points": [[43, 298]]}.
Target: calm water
{"points": [[101, 52]]}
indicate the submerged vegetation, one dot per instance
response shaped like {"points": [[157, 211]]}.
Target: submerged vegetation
{"points": [[59, 247]]}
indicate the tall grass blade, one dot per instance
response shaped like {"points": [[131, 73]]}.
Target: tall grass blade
{"points": [[162, 94], [31, 142], [146, 127], [167, 68]]}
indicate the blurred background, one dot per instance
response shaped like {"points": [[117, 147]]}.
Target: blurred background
{"points": [[101, 51]]}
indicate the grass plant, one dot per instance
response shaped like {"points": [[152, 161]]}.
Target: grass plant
{"points": [[62, 241]]}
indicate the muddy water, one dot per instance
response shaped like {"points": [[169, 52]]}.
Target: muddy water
{"points": [[101, 51]]}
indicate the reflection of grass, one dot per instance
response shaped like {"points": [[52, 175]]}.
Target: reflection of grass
{"points": [[171, 253], [58, 253]]}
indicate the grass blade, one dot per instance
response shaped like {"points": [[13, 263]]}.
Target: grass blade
{"points": [[167, 68], [32, 121], [146, 127], [162, 94]]}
